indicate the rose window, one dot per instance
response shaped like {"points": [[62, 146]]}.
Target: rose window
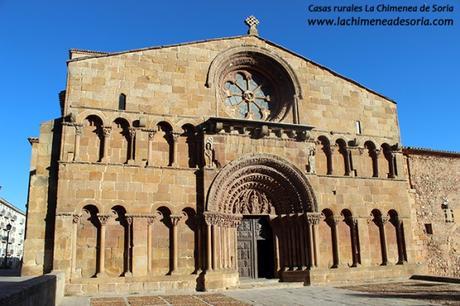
{"points": [[247, 95]]}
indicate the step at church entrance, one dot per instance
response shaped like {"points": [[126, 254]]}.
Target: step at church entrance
{"points": [[255, 248]]}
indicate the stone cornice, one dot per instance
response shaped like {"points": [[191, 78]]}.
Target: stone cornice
{"points": [[256, 129]]}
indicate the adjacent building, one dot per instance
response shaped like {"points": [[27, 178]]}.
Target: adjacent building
{"points": [[198, 164], [12, 226]]}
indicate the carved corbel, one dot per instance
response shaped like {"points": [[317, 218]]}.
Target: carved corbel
{"points": [[291, 134], [263, 131], [303, 135], [354, 143]]}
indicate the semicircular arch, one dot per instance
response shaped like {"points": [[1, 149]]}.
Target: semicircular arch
{"points": [[260, 184]]}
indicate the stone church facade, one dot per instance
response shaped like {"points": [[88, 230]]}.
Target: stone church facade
{"points": [[199, 164]]}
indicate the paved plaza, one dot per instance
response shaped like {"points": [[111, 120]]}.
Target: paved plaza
{"points": [[400, 293]]}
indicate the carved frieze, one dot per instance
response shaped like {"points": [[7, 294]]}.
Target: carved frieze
{"points": [[223, 220]]}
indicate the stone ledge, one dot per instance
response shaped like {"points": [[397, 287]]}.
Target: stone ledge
{"points": [[120, 286], [42, 290], [360, 177]]}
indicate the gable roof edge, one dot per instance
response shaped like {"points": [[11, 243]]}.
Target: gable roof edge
{"points": [[98, 54]]}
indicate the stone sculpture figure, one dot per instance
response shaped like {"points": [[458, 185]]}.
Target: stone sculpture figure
{"points": [[311, 161], [209, 153]]}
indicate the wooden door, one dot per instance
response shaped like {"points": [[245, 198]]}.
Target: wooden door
{"points": [[246, 249]]}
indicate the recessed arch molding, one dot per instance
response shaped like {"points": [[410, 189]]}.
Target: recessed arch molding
{"points": [[259, 184]]}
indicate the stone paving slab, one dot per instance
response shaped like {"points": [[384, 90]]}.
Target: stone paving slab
{"points": [[183, 300], [408, 293], [314, 296], [429, 292]]}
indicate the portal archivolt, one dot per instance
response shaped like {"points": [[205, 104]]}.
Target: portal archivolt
{"points": [[261, 184]]}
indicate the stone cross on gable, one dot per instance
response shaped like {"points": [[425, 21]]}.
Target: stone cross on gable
{"points": [[252, 23]]}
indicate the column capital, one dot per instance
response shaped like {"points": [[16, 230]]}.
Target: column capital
{"points": [[313, 218], [385, 219], [175, 136], [354, 220], [132, 131], [219, 219], [150, 220], [103, 218], [379, 220], [78, 129], [151, 133], [175, 219], [337, 219], [76, 218], [106, 130]]}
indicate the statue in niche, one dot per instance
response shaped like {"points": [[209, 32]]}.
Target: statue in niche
{"points": [[210, 154], [311, 167]]}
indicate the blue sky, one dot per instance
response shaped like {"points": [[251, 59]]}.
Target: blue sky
{"points": [[416, 66]]}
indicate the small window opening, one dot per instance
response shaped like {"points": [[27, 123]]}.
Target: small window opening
{"points": [[358, 127], [122, 102], [429, 228], [448, 212]]}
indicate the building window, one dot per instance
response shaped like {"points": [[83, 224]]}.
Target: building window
{"points": [[448, 212], [358, 127], [429, 228], [122, 102], [255, 86]]}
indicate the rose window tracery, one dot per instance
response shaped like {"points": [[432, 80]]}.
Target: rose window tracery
{"points": [[252, 84], [248, 95]]}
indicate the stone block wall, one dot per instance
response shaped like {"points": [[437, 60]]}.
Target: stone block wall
{"points": [[435, 177], [172, 81], [131, 182]]}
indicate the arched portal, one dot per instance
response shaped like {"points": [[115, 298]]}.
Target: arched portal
{"points": [[250, 197], [261, 184]]}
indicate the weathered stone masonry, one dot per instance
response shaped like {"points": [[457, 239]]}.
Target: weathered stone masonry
{"points": [[435, 187], [193, 165]]}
